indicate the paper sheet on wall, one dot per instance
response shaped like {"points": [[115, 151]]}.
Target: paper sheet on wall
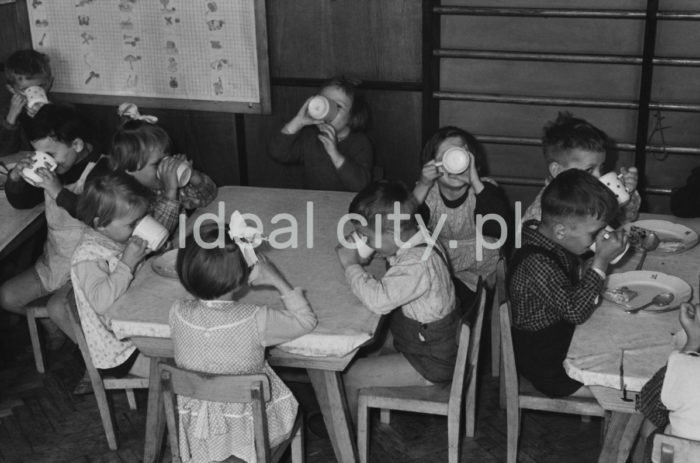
{"points": [[187, 49]]}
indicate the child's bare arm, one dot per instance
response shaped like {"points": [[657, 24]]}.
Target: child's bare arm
{"points": [[428, 175], [690, 321]]}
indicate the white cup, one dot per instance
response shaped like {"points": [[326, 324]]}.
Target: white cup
{"points": [[455, 160], [617, 258], [614, 182], [184, 174], [363, 249], [322, 109], [36, 97], [40, 159], [151, 231]]}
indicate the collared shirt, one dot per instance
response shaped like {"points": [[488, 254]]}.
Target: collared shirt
{"points": [[544, 291], [422, 287]]}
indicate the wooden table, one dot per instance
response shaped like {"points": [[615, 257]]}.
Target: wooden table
{"points": [[142, 313], [16, 225], [595, 351]]}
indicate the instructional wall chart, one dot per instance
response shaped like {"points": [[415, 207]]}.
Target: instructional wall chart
{"points": [[182, 50]]}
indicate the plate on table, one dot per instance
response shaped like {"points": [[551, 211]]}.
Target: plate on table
{"points": [[634, 289], [164, 265], [674, 237]]}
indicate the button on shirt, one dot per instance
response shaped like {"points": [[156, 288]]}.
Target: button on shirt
{"points": [[544, 291]]}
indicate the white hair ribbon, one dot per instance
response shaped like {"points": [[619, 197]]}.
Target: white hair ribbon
{"points": [[246, 237], [131, 111]]}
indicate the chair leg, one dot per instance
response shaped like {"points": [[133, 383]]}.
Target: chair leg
{"points": [[495, 337], [384, 415], [105, 414], [298, 444], [453, 439], [502, 389], [470, 407], [363, 429], [513, 425], [36, 343], [131, 398]]}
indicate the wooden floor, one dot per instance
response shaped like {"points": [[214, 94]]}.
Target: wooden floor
{"points": [[42, 421]]}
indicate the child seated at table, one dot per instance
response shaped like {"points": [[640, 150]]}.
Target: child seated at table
{"points": [[550, 290], [418, 283], [23, 69], [65, 135], [670, 400], [457, 199], [141, 148], [572, 143], [104, 264], [213, 333], [336, 153]]}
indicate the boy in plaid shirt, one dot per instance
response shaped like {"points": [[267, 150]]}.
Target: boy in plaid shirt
{"points": [[551, 291]]}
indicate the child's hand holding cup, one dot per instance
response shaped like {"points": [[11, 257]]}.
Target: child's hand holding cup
{"points": [[152, 232], [615, 183], [36, 98], [37, 161], [183, 170], [616, 259], [364, 250]]}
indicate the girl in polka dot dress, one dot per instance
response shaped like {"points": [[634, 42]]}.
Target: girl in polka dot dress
{"points": [[213, 333]]}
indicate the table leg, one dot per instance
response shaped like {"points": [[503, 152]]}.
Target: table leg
{"points": [[330, 393], [622, 431], [155, 416]]}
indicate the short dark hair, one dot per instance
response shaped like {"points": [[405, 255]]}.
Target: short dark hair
{"points": [[110, 196], [576, 193], [60, 122], [209, 273], [134, 141], [378, 199], [567, 132], [360, 113], [431, 146], [28, 63]]}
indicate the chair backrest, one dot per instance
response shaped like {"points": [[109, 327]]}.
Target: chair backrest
{"points": [[671, 449], [254, 389], [469, 341], [74, 317], [509, 372]]}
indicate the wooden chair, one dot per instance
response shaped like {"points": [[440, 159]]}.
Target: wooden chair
{"points": [[37, 309], [520, 394], [671, 449], [498, 297], [100, 385], [434, 400], [227, 388]]}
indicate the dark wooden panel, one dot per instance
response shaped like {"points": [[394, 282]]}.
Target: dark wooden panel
{"points": [[528, 120], [543, 35], [532, 78], [363, 38]]}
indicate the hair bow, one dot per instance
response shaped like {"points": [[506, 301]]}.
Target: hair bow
{"points": [[246, 237], [131, 111]]}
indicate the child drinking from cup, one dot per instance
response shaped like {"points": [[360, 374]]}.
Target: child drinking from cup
{"points": [[418, 283], [141, 148], [454, 192], [213, 333], [572, 143], [334, 150], [28, 77], [104, 264], [61, 135]]}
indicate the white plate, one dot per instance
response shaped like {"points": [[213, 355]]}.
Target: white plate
{"points": [[164, 265], [669, 233], [648, 284]]}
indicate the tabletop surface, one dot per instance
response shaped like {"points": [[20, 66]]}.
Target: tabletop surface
{"points": [[648, 338], [313, 265]]}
